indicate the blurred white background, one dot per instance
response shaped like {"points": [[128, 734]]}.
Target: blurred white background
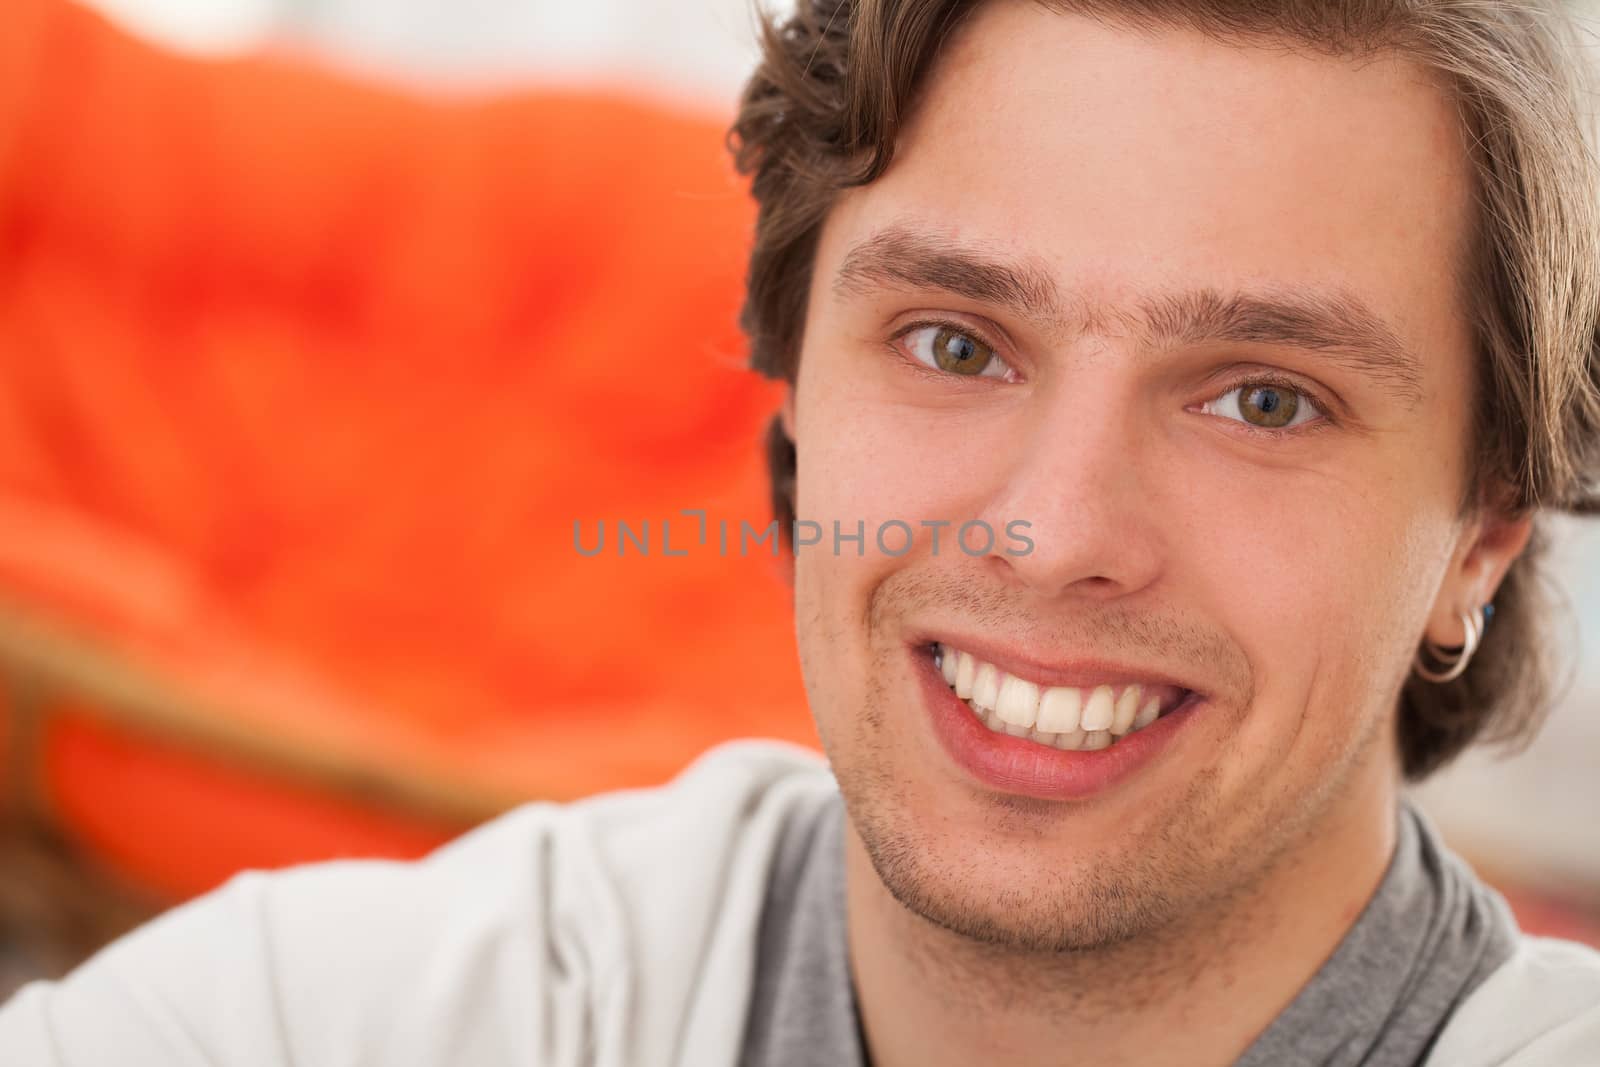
{"points": [[1537, 811], [698, 50]]}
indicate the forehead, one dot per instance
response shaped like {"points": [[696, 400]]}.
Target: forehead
{"points": [[1130, 163]]}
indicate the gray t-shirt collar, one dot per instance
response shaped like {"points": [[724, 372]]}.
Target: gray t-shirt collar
{"points": [[1430, 934]]}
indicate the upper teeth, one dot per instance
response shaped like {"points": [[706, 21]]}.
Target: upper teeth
{"points": [[1086, 717]]}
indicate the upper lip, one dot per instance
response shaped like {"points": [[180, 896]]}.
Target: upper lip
{"points": [[1080, 672]]}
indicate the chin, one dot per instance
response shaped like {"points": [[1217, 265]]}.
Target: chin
{"points": [[1010, 897], [1019, 874]]}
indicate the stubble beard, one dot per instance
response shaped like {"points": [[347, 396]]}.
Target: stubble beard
{"points": [[1154, 909], [1195, 876], [1132, 894]]}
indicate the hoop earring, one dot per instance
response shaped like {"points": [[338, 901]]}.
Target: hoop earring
{"points": [[1455, 664]]}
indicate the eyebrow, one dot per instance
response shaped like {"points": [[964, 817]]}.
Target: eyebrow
{"points": [[1336, 324]]}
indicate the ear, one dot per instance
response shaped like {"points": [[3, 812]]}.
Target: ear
{"points": [[1489, 545], [786, 411]]}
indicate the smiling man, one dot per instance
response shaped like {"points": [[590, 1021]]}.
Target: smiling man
{"points": [[1215, 297], [1271, 327]]}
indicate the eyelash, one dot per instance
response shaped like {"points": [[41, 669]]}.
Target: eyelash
{"points": [[1268, 380], [1256, 379], [897, 344]]}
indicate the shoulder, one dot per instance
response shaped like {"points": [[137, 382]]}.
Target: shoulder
{"points": [[521, 941], [579, 904], [1541, 1008]]}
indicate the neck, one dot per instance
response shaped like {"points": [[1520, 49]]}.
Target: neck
{"points": [[1193, 994]]}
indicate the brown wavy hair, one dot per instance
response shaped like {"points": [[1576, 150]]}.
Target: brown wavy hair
{"points": [[837, 78]]}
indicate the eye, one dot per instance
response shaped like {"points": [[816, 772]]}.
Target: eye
{"points": [[1265, 406], [954, 351]]}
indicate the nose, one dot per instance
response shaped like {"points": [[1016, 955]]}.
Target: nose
{"points": [[1082, 479]]}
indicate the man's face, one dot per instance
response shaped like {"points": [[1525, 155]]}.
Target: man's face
{"points": [[1193, 313]]}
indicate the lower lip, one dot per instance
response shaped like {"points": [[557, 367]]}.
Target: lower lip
{"points": [[1026, 768]]}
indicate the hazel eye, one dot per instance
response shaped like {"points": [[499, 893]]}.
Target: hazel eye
{"points": [[1265, 406], [954, 351]]}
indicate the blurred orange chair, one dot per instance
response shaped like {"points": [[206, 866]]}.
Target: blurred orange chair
{"points": [[304, 386]]}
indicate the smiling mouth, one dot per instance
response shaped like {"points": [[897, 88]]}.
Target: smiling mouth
{"points": [[1070, 718]]}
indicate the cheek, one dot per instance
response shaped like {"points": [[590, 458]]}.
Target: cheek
{"points": [[1321, 580], [837, 484], [869, 458], [862, 462]]}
